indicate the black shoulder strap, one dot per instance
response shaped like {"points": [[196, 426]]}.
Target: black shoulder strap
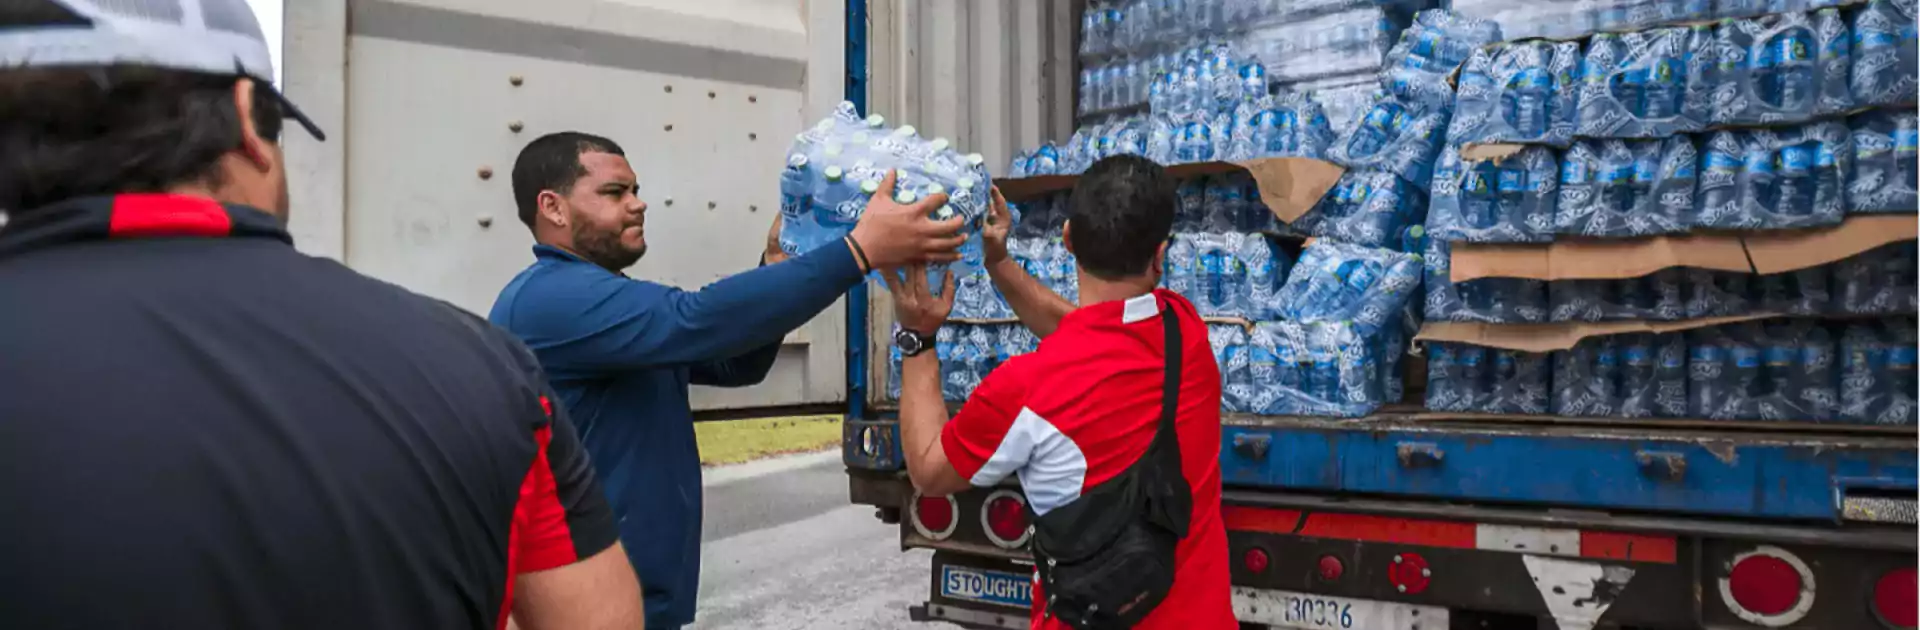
{"points": [[1170, 397]]}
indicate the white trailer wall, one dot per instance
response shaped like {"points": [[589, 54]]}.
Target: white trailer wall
{"points": [[419, 98]]}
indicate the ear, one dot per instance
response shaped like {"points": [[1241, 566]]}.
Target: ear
{"points": [[551, 208], [1066, 235], [1160, 258], [258, 150]]}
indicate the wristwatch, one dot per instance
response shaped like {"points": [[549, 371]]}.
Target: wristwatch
{"points": [[911, 343]]}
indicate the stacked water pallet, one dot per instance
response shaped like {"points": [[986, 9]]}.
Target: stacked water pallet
{"points": [[1706, 221]]}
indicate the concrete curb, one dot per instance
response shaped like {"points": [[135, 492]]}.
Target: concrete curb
{"points": [[720, 475]]}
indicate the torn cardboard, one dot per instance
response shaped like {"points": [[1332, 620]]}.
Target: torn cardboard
{"points": [[1483, 151], [1750, 252], [1290, 186], [1595, 259], [1560, 335], [1778, 252]]}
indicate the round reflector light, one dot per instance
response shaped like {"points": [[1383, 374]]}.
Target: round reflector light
{"points": [[1005, 519], [1894, 598], [1256, 560], [1768, 586], [1331, 568], [933, 517]]}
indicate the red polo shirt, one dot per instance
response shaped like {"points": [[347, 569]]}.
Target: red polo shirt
{"points": [[1083, 408]]}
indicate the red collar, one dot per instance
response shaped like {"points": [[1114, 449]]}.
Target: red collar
{"points": [[134, 216]]}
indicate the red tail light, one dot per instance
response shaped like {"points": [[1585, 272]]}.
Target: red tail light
{"points": [[1768, 586], [1894, 599], [1256, 560], [1005, 519], [934, 517]]}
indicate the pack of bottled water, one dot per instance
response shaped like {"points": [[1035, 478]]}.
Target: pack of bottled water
{"points": [[1039, 217], [1042, 160], [1634, 375], [1284, 125], [1648, 84], [1343, 101], [1756, 371], [1627, 188], [1266, 267], [1883, 281], [1396, 137], [834, 167], [1661, 296], [1885, 68], [1229, 344], [976, 298], [1782, 68], [1491, 300], [1316, 369], [1511, 200], [1049, 262], [1366, 207], [1886, 163], [1469, 378], [1523, 92], [1341, 43], [1014, 340], [1369, 287], [1804, 292], [1419, 67], [1775, 179], [1218, 285], [1876, 365], [967, 353]]}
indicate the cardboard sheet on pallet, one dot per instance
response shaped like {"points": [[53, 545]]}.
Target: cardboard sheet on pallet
{"points": [[1597, 258], [1749, 252], [1559, 335], [1289, 186]]}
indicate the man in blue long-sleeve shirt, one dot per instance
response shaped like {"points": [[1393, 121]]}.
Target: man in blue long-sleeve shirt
{"points": [[621, 352]]}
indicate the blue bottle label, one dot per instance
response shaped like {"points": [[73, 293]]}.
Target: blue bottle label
{"points": [[1746, 358], [1722, 163], [1779, 356], [1573, 172], [1906, 140], [1513, 180], [1704, 353], [1795, 159]]}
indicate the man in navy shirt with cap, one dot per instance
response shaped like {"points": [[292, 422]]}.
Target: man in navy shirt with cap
{"points": [[201, 427], [621, 352]]}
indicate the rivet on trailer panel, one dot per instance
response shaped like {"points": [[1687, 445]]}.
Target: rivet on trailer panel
{"points": [[485, 221], [712, 94], [753, 136], [516, 80], [669, 127], [669, 89], [486, 172], [669, 201], [515, 126], [712, 205], [753, 99]]}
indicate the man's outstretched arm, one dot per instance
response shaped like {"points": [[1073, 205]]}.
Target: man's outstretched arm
{"points": [[1038, 307]]}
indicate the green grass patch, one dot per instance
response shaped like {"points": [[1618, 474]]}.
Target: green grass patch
{"points": [[735, 441]]}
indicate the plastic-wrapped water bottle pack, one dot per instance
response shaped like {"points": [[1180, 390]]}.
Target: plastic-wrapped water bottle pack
{"points": [[1775, 179], [1877, 373], [1342, 43], [1468, 378], [1285, 125], [1420, 66], [1886, 156], [1885, 68], [1782, 68], [1884, 281], [1366, 207], [1635, 375], [1491, 300], [1369, 287], [1396, 137], [1763, 371], [1344, 99], [834, 167], [1220, 204], [1229, 345], [1647, 84], [1226, 274], [1505, 201], [1524, 92], [1662, 296], [1319, 369], [1627, 188], [1040, 217]]}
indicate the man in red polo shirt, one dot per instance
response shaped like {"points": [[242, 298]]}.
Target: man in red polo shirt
{"points": [[1084, 407]]}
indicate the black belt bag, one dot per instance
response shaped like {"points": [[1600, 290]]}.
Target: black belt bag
{"points": [[1106, 559]]}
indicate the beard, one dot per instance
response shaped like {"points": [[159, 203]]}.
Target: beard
{"points": [[603, 247]]}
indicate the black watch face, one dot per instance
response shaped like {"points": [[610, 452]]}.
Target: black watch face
{"points": [[910, 343]]}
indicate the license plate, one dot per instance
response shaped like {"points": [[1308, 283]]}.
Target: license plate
{"points": [[986, 586], [1287, 609]]}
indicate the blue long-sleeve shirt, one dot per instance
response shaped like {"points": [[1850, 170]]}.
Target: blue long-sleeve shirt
{"points": [[620, 354]]}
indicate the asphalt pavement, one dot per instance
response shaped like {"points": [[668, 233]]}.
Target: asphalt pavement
{"points": [[783, 550]]}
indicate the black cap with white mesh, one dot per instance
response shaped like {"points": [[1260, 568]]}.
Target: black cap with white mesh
{"points": [[211, 36]]}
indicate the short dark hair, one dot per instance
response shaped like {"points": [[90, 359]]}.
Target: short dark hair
{"points": [[552, 162], [1120, 214], [81, 131]]}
